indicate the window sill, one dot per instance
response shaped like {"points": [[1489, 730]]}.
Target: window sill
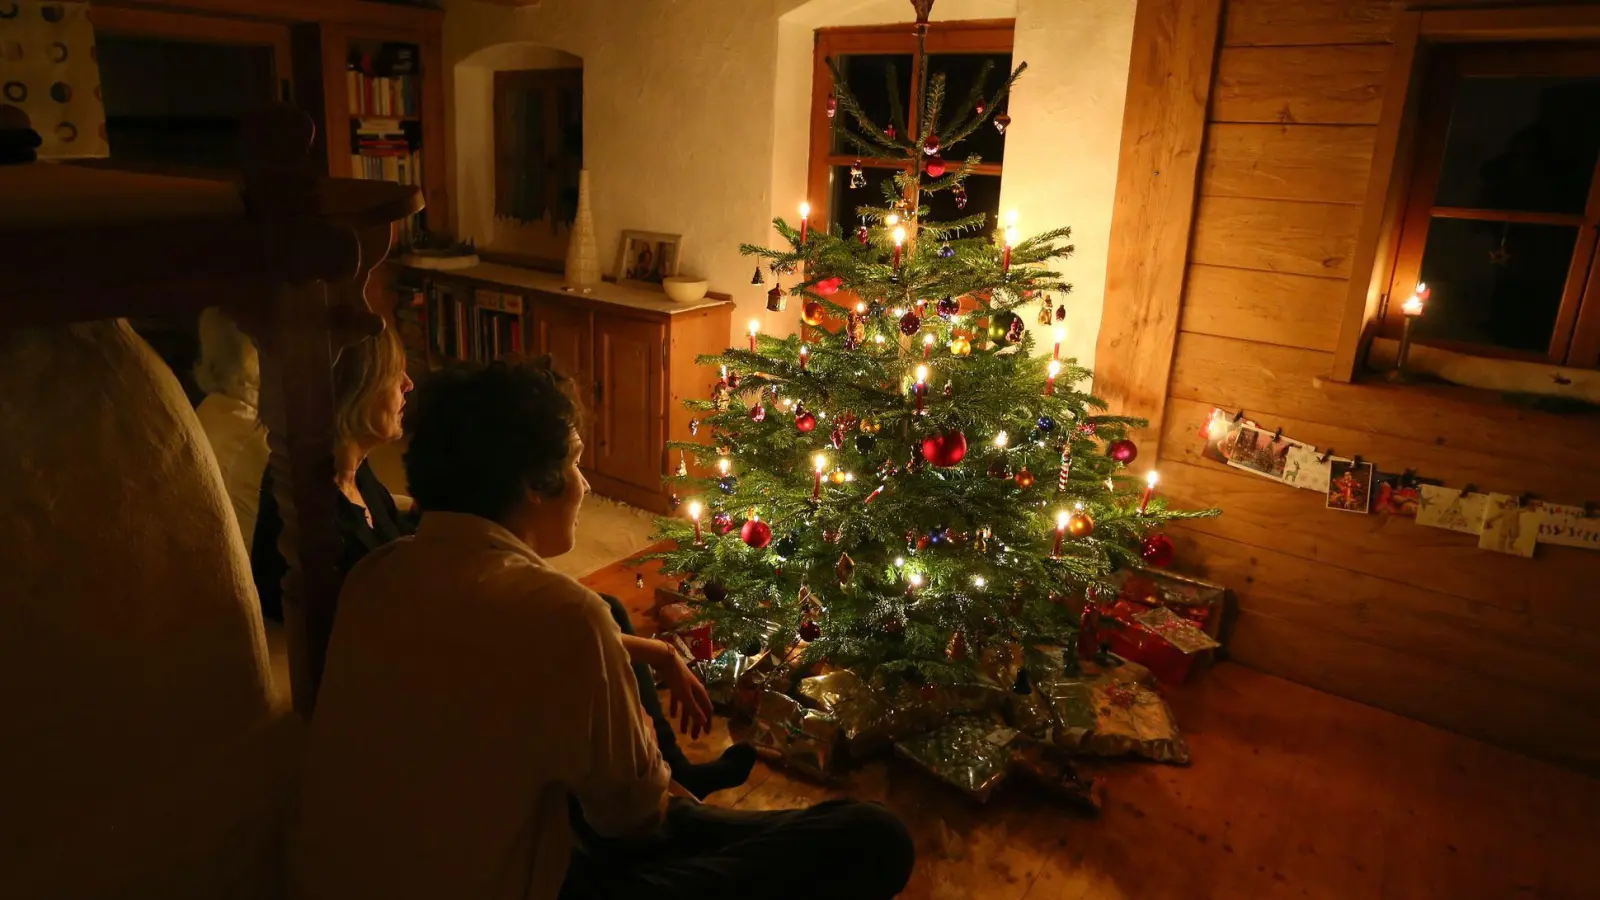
{"points": [[1484, 379]]}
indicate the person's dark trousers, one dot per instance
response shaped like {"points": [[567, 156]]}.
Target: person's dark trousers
{"points": [[839, 850], [666, 738]]}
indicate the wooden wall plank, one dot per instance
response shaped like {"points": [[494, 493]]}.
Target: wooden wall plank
{"points": [[1267, 380], [1487, 641], [1263, 513], [1276, 235], [1163, 128], [1309, 85], [1281, 22], [1321, 163], [1511, 716], [1452, 465], [1271, 307]]}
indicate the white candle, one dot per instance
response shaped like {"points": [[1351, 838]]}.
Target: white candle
{"points": [[1413, 306]]}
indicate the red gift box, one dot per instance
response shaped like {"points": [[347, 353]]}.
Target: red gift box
{"points": [[1132, 640]]}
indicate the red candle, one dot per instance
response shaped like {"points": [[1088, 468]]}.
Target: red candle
{"points": [[755, 327], [694, 513], [816, 484], [927, 345], [805, 214], [1050, 377], [804, 353], [875, 492], [922, 386], [1061, 335], [899, 238], [1061, 530], [1149, 490]]}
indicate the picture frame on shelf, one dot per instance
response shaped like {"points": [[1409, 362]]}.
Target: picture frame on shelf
{"points": [[646, 258]]}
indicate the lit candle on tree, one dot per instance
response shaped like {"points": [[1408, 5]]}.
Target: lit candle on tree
{"points": [[694, 514], [1061, 530], [1050, 377], [927, 345], [805, 215], [816, 483], [1061, 335], [755, 328], [804, 354], [922, 386], [722, 466], [1011, 240], [899, 239], [1149, 490]]}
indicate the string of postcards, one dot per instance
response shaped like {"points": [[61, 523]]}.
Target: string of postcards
{"points": [[1505, 523]]}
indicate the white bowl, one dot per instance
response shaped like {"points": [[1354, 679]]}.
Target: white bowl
{"points": [[685, 288]]}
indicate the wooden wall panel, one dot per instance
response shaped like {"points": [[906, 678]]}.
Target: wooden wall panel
{"points": [[1163, 131], [1281, 22], [1276, 235], [1309, 85], [1262, 513], [1321, 163], [1270, 307]]}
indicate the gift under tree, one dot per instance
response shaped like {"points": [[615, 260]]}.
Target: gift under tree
{"points": [[906, 489]]}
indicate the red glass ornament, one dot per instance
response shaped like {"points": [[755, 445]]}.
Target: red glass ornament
{"points": [[930, 144], [810, 630], [979, 108], [949, 306], [827, 287], [756, 533], [833, 105], [805, 421], [862, 235], [910, 324], [944, 448], [888, 132], [1157, 550], [934, 167], [1123, 451], [1024, 478]]}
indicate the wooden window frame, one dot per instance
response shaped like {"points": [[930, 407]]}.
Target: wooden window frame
{"points": [[972, 36], [1448, 67], [555, 79], [1418, 37]]}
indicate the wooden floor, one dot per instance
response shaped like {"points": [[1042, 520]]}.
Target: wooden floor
{"points": [[1293, 793]]}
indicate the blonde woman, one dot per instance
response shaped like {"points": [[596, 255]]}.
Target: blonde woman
{"points": [[369, 392]]}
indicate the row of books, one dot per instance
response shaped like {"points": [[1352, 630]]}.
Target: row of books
{"points": [[474, 325], [382, 95], [385, 150]]}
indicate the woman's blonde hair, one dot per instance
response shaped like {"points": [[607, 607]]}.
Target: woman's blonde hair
{"points": [[360, 378]]}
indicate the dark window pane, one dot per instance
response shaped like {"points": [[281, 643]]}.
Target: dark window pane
{"points": [[983, 196], [868, 78], [1522, 143], [1495, 283], [845, 200], [961, 72]]}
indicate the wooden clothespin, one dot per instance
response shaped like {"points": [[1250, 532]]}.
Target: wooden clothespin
{"points": [[1277, 436], [1239, 417], [1325, 455], [1469, 488]]}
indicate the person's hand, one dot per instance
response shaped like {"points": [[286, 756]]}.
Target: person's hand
{"points": [[691, 705]]}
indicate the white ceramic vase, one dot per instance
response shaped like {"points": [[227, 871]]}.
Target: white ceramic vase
{"points": [[583, 255]]}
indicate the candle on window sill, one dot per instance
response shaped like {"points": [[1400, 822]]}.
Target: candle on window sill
{"points": [[1050, 377], [694, 514], [816, 483], [755, 328], [899, 239], [805, 216], [1412, 311], [1061, 335], [922, 386], [1061, 531], [1149, 490]]}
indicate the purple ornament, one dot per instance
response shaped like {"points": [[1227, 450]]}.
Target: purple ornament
{"points": [[948, 307], [1123, 451], [910, 324]]}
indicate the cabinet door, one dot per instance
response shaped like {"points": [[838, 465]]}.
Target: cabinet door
{"points": [[630, 436], [567, 335]]}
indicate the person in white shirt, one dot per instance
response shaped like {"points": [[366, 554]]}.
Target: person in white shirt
{"points": [[229, 371], [470, 692]]}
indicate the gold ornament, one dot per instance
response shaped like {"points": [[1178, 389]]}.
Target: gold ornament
{"points": [[957, 649], [837, 477], [960, 346], [844, 569], [1079, 525], [814, 313], [1024, 478], [871, 426]]}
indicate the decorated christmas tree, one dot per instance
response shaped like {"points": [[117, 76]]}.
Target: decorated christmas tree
{"points": [[905, 489]]}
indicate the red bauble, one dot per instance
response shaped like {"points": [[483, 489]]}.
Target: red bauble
{"points": [[910, 324], [756, 533], [805, 421], [814, 313], [1123, 451], [827, 287], [722, 522], [934, 167], [1157, 551], [810, 631], [930, 144], [944, 448]]}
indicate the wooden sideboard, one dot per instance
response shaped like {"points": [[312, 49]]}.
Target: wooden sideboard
{"points": [[631, 351]]}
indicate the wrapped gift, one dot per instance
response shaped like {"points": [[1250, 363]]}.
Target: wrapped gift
{"points": [[787, 733], [874, 714], [972, 753], [1043, 767], [721, 675], [1168, 644], [766, 671], [1200, 602], [1113, 714]]}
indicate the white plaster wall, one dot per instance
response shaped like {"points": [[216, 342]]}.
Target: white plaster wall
{"points": [[696, 119]]}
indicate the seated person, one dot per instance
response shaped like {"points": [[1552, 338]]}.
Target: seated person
{"points": [[229, 371], [470, 690], [370, 387]]}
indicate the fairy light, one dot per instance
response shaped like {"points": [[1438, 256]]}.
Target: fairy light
{"points": [[977, 581], [899, 561], [915, 578], [805, 354], [1001, 440], [722, 466]]}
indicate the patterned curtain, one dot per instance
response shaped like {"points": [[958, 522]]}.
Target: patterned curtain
{"points": [[49, 70]]}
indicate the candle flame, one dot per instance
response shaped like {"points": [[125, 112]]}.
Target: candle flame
{"points": [[1061, 334], [694, 509], [805, 210], [723, 464], [1152, 478], [755, 327], [1054, 368], [922, 374], [916, 579], [927, 339], [877, 339], [891, 220], [899, 236], [804, 350], [861, 307], [821, 461], [1061, 520], [1011, 237], [899, 561]]}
